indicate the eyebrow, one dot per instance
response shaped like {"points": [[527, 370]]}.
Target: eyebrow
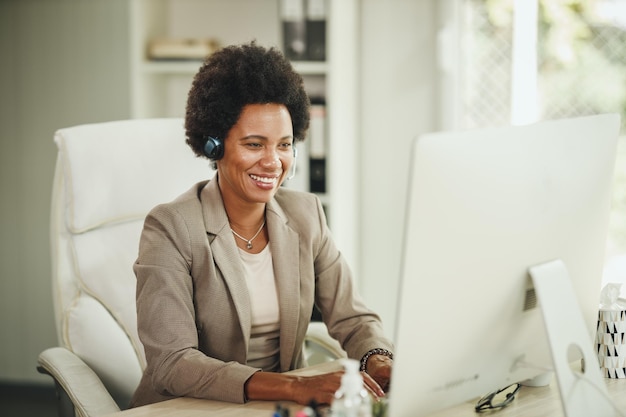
{"points": [[255, 136]]}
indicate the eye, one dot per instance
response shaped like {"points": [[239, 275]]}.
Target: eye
{"points": [[285, 146]]}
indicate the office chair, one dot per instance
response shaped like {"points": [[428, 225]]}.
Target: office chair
{"points": [[108, 176]]}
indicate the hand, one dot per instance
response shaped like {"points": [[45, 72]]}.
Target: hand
{"points": [[322, 388], [373, 386], [379, 368], [302, 389], [273, 386]]}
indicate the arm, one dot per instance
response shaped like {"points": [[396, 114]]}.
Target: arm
{"points": [[270, 386], [349, 320], [357, 328], [167, 315]]}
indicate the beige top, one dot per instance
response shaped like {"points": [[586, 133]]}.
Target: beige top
{"points": [[264, 348]]}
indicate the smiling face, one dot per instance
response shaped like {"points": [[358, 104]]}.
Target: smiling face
{"points": [[258, 155]]}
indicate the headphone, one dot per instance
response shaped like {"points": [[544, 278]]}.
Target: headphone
{"points": [[214, 150], [293, 167]]}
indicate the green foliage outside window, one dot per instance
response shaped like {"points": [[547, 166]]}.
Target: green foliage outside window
{"points": [[581, 55]]}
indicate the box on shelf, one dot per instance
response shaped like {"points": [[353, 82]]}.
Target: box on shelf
{"points": [[181, 49]]}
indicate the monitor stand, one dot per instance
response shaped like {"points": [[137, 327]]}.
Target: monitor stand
{"points": [[583, 393]]}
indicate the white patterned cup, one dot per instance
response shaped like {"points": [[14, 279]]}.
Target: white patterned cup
{"points": [[610, 343]]}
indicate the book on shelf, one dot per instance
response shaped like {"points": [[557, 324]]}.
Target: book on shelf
{"points": [[317, 147]]}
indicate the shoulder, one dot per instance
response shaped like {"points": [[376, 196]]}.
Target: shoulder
{"points": [[300, 208], [173, 227], [293, 200], [186, 205]]}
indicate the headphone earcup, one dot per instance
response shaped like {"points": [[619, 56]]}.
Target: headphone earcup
{"points": [[214, 148]]}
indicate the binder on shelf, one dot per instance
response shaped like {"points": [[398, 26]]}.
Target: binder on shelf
{"points": [[317, 175], [293, 20], [317, 147], [316, 30]]}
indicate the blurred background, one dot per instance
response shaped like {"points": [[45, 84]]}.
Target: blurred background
{"points": [[391, 70]]}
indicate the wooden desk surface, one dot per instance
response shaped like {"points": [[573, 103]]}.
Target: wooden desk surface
{"points": [[537, 402], [529, 402]]}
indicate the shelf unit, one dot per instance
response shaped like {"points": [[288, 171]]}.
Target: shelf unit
{"points": [[191, 67], [159, 88]]}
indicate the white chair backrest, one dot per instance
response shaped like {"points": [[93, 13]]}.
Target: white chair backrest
{"points": [[108, 176]]}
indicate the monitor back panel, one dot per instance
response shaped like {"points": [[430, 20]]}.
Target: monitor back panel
{"points": [[484, 206]]}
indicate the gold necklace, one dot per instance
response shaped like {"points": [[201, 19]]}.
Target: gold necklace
{"points": [[249, 241]]}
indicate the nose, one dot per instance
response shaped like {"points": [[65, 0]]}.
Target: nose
{"points": [[271, 160]]}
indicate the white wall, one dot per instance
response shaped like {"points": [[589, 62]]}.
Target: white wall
{"points": [[63, 63], [398, 97]]}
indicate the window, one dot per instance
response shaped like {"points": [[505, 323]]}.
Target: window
{"points": [[577, 67]]}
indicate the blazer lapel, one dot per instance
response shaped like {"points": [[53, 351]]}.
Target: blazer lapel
{"points": [[226, 254], [284, 243]]}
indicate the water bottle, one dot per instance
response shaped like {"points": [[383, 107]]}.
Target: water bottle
{"points": [[351, 399]]}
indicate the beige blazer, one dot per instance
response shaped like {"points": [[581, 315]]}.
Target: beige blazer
{"points": [[193, 306]]}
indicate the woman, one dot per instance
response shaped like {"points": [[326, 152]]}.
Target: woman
{"points": [[229, 272]]}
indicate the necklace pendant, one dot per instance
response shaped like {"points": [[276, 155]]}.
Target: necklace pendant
{"points": [[249, 241]]}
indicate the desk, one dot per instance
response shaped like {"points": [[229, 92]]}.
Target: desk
{"points": [[537, 402], [530, 402]]}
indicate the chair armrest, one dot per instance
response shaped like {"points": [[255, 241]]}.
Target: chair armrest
{"points": [[84, 388], [320, 346]]}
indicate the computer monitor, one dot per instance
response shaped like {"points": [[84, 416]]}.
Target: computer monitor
{"points": [[484, 206]]}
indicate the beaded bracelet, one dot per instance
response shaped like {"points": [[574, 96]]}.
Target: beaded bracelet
{"points": [[377, 351]]}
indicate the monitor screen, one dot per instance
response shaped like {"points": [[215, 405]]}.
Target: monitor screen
{"points": [[484, 206]]}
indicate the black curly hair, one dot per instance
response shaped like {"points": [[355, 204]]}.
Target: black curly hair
{"points": [[238, 75]]}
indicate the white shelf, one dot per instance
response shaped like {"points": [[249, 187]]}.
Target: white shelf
{"points": [[310, 67], [170, 67], [191, 67]]}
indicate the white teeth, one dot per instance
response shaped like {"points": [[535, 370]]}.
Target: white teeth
{"points": [[263, 179]]}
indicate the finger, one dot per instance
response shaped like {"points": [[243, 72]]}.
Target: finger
{"points": [[372, 385]]}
